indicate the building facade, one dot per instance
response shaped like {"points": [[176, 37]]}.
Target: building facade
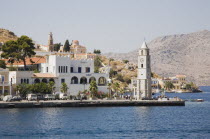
{"points": [[77, 74]]}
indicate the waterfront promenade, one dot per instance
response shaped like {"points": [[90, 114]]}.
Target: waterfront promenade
{"points": [[89, 103]]}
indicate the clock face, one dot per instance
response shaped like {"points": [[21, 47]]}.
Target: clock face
{"points": [[141, 60]]}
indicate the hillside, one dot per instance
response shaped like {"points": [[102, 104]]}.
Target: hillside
{"points": [[187, 54], [6, 35]]}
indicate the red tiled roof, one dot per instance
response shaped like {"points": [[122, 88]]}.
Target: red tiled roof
{"points": [[36, 60]]}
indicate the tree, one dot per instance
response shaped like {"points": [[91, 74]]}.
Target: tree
{"points": [[93, 88], [51, 86], [41, 88], [169, 85], [57, 46], [2, 64], [125, 61], [97, 51], [116, 87], [66, 47], [26, 48], [97, 64], [19, 50], [23, 89], [10, 51], [64, 88]]}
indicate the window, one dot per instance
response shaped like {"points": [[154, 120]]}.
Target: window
{"points": [[79, 69], [47, 69], [141, 52], [27, 81], [72, 69], [59, 69], [21, 80], [62, 80], [87, 69], [66, 69], [141, 65]]}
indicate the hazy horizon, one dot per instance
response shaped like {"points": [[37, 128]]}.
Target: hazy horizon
{"points": [[111, 26]]}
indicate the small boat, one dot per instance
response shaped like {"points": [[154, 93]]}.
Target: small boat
{"points": [[197, 100]]}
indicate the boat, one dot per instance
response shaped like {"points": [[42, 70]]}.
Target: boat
{"points": [[197, 100]]}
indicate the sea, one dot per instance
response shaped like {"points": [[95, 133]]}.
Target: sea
{"points": [[161, 122]]}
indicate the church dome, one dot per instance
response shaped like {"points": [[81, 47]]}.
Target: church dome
{"points": [[76, 42]]}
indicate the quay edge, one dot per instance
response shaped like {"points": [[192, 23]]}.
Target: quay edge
{"points": [[44, 104]]}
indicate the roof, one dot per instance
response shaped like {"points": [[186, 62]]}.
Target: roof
{"points": [[144, 45], [36, 60], [44, 75]]}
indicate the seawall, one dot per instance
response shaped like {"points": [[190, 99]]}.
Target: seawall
{"points": [[85, 103]]}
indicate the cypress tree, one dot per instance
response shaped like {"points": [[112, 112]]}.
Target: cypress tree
{"points": [[66, 46]]}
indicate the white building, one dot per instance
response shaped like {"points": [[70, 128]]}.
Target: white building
{"points": [[77, 74], [143, 90]]}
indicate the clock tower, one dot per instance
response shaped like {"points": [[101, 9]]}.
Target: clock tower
{"points": [[143, 90]]}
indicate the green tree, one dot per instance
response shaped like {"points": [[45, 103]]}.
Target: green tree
{"points": [[19, 50], [116, 87], [97, 51], [169, 85], [119, 77], [97, 64], [64, 88], [41, 88], [2, 64], [93, 88], [51, 86], [66, 47], [23, 89], [10, 51], [188, 86], [125, 61], [57, 46], [26, 48]]}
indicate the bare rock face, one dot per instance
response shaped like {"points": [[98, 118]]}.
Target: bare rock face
{"points": [[6, 35], [187, 54]]}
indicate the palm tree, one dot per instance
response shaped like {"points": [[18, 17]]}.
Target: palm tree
{"points": [[64, 88], [169, 85], [93, 88], [116, 87], [51, 86]]}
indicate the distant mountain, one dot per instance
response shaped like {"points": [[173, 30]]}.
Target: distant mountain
{"points": [[6, 35], [187, 54]]}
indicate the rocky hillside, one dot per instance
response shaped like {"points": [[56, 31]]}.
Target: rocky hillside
{"points": [[6, 35], [187, 54]]}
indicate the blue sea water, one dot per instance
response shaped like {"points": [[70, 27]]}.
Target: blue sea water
{"points": [[190, 121]]}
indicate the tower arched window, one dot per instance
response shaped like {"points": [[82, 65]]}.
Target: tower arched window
{"points": [[142, 52], [142, 65]]}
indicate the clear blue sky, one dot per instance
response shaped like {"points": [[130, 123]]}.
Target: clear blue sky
{"points": [[109, 25]]}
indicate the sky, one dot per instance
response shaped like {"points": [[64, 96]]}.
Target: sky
{"points": [[109, 25]]}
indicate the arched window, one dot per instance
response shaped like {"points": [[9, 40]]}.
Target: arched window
{"points": [[51, 80], [21, 80], [83, 80], [24, 80], [74, 80], [44, 80], [92, 79], [27, 81], [142, 52], [36, 80], [102, 81]]}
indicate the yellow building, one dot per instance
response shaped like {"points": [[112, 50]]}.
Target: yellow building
{"points": [[76, 48]]}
